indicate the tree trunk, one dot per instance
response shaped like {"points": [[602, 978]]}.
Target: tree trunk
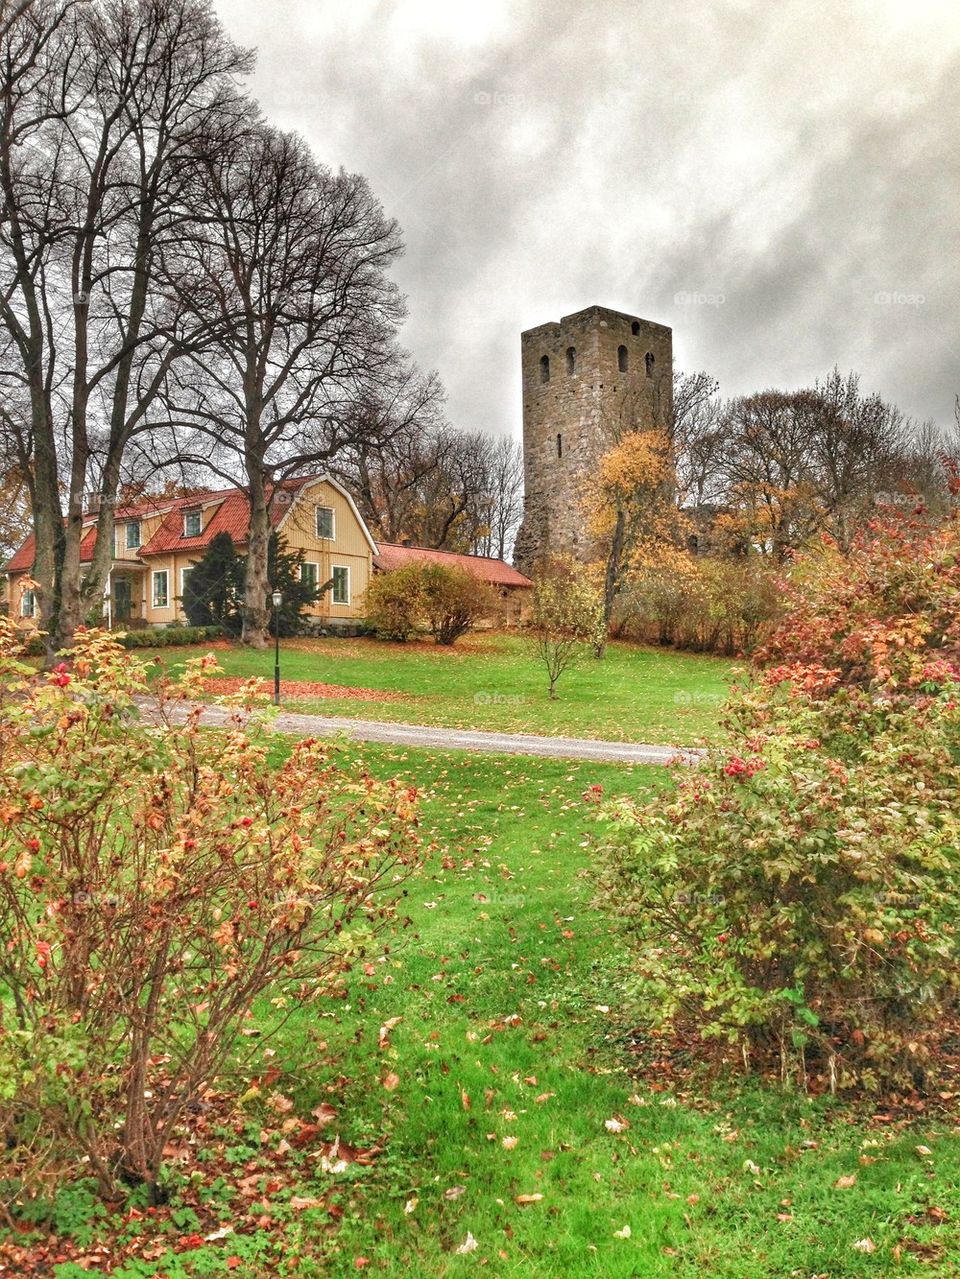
{"points": [[70, 615], [611, 581], [256, 614], [48, 545]]}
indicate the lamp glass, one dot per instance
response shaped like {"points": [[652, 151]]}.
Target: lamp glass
{"points": [[277, 598]]}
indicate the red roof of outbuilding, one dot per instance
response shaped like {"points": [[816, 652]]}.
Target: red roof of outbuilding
{"points": [[496, 572]]}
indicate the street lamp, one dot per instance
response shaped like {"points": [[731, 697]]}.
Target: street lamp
{"points": [[277, 598]]}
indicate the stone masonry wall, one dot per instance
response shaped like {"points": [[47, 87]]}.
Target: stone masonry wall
{"points": [[587, 408]]}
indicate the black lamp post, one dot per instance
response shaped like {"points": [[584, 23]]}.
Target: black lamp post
{"points": [[277, 598]]}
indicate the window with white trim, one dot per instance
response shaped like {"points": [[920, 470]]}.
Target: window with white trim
{"points": [[184, 574], [310, 574], [133, 541], [192, 523], [326, 523], [341, 584], [28, 604], [160, 590]]}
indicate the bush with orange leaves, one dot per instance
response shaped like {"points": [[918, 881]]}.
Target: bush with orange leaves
{"points": [[155, 879], [885, 617]]}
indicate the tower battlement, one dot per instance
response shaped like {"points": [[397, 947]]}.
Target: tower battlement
{"points": [[586, 379]]}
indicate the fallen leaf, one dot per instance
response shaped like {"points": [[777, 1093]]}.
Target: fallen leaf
{"points": [[465, 1099], [219, 1234], [391, 1080], [528, 1199], [411, 1205], [846, 1181], [301, 1202], [454, 1192], [469, 1245], [750, 1167], [386, 1028], [865, 1245], [616, 1124], [508, 1143], [622, 1234]]}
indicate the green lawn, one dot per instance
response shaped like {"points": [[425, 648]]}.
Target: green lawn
{"points": [[495, 682], [512, 1024]]}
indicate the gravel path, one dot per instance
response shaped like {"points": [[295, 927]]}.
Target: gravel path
{"points": [[462, 739]]}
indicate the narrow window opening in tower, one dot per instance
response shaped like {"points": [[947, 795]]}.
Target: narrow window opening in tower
{"points": [[559, 445], [622, 358], [571, 360], [635, 328], [649, 360], [544, 368]]}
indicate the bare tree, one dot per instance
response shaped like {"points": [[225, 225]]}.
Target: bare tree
{"points": [[385, 469], [438, 487], [287, 261], [695, 431], [504, 497], [100, 108]]}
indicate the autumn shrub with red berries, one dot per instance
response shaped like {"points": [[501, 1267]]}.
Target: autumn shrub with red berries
{"points": [[798, 900], [155, 879]]}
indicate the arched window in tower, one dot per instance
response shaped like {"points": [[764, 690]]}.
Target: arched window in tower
{"points": [[544, 368], [649, 361], [622, 358], [559, 445], [571, 360], [635, 328]]}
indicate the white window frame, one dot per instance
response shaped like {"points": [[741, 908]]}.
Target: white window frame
{"points": [[333, 591], [28, 604], [165, 574], [131, 524], [183, 579], [333, 523], [315, 565], [187, 515]]}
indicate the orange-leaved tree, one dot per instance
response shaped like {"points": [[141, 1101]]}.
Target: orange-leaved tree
{"points": [[631, 510], [155, 879]]}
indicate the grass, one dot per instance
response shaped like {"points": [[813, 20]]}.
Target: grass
{"points": [[728, 1182], [495, 682]]}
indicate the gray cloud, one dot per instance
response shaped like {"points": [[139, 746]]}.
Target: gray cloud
{"points": [[798, 161]]}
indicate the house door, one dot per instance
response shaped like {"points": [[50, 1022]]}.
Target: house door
{"points": [[122, 600]]}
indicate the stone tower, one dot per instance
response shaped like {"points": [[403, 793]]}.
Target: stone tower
{"points": [[585, 381]]}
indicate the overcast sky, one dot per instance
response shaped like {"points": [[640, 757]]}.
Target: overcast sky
{"points": [[777, 180]]}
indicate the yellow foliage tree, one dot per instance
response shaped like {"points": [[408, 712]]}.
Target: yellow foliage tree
{"points": [[631, 509]]}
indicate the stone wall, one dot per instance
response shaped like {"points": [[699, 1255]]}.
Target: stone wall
{"points": [[608, 372]]}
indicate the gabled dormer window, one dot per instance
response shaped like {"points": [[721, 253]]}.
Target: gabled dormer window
{"points": [[193, 523]]}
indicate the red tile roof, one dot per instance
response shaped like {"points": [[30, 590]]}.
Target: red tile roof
{"points": [[230, 514], [225, 511], [496, 572]]}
